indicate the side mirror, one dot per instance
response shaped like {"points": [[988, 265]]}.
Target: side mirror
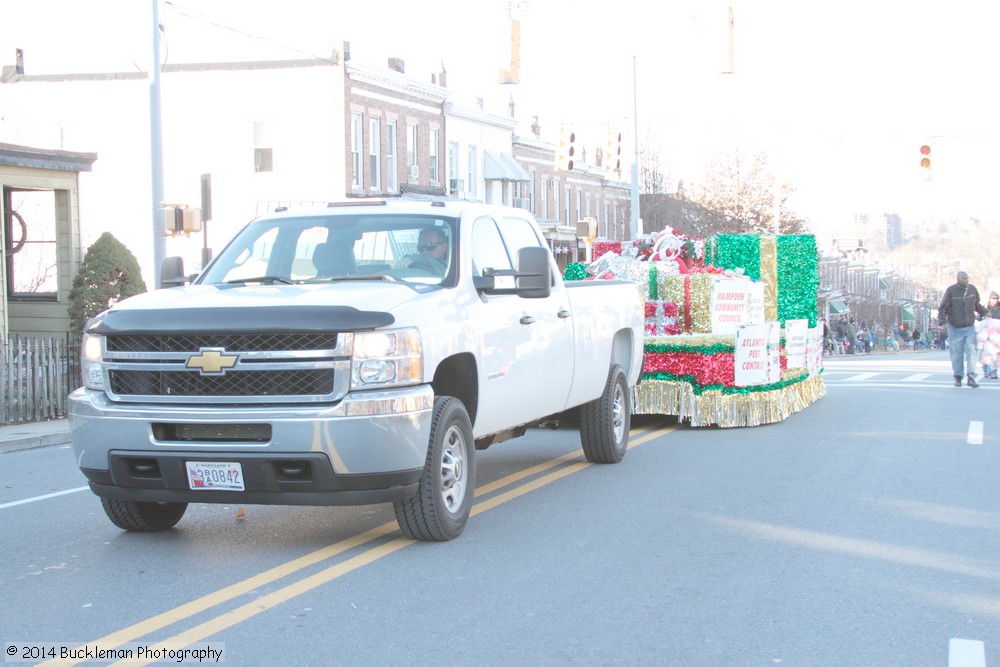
{"points": [[533, 279], [172, 272]]}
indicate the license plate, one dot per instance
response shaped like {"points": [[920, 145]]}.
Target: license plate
{"points": [[215, 476]]}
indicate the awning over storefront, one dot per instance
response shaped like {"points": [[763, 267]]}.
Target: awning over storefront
{"points": [[908, 314], [838, 307], [502, 167]]}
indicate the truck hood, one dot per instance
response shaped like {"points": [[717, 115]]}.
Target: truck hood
{"points": [[338, 306]]}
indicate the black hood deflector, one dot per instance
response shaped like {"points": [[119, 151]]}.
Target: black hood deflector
{"points": [[267, 319]]}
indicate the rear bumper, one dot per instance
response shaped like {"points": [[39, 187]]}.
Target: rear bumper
{"points": [[368, 448]]}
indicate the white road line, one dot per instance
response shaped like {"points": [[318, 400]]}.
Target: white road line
{"points": [[975, 433], [860, 377], [47, 495], [916, 377], [966, 653]]}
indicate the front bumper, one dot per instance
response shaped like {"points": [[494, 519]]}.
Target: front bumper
{"points": [[370, 447]]}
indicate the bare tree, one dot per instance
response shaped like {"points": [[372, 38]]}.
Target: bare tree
{"points": [[738, 197]]}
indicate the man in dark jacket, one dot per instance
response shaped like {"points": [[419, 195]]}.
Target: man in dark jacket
{"points": [[959, 309]]}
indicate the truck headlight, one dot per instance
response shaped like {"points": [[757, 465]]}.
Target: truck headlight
{"points": [[91, 358], [386, 359]]}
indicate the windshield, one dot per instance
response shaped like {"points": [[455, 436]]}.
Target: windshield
{"points": [[326, 248]]}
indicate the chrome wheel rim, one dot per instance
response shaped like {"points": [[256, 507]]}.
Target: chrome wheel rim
{"points": [[454, 481], [618, 407]]}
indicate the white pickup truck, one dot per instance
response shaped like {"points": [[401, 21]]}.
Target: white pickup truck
{"points": [[353, 354]]}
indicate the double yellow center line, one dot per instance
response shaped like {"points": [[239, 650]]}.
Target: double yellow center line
{"points": [[260, 604]]}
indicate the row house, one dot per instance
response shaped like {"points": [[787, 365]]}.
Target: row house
{"points": [[867, 293], [395, 132]]}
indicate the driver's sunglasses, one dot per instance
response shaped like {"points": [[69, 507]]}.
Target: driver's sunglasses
{"points": [[427, 247]]}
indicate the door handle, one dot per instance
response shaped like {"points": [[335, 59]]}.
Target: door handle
{"points": [[527, 319], [563, 313]]}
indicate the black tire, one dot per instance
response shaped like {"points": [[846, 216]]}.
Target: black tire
{"points": [[142, 516], [441, 506], [605, 421]]}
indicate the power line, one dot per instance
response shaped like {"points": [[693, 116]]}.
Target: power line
{"points": [[197, 16]]}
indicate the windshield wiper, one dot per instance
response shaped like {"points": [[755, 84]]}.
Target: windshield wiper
{"points": [[270, 280]]}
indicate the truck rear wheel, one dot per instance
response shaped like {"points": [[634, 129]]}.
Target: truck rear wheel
{"points": [[142, 516], [605, 421], [440, 508]]}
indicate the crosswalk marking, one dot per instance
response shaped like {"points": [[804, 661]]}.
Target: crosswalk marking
{"points": [[916, 377], [861, 377], [975, 433], [966, 653]]}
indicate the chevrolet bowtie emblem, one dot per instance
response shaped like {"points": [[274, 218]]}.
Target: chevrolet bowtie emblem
{"points": [[212, 361]]}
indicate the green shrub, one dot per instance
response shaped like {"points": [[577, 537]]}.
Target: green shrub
{"points": [[109, 273]]}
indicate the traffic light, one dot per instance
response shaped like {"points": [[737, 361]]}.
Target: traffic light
{"points": [[613, 161], [925, 159], [565, 151]]}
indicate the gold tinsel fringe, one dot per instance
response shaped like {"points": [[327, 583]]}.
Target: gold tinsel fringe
{"points": [[753, 408]]}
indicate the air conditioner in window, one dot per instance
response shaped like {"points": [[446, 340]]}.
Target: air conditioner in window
{"points": [[414, 171], [455, 185]]}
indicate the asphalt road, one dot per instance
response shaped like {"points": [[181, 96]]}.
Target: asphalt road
{"points": [[862, 531]]}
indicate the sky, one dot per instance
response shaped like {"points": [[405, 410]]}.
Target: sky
{"points": [[839, 96]]}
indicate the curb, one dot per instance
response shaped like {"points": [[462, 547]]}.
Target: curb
{"points": [[30, 436]]}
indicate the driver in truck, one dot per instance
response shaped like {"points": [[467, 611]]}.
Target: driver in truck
{"points": [[432, 247]]}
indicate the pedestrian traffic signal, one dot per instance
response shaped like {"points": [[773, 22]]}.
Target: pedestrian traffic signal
{"points": [[925, 157], [613, 161], [565, 150]]}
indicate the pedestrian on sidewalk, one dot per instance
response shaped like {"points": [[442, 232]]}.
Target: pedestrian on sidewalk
{"points": [[960, 308]]}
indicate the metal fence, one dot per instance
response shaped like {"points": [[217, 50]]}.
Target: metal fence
{"points": [[38, 375]]}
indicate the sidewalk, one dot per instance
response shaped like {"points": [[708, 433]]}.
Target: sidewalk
{"points": [[15, 437]]}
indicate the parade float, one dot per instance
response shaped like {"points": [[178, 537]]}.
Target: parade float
{"points": [[731, 332]]}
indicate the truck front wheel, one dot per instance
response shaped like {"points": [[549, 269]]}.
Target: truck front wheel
{"points": [[440, 508], [604, 422], [143, 516]]}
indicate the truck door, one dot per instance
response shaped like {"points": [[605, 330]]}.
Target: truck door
{"points": [[527, 344]]}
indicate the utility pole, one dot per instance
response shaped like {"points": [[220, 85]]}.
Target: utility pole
{"points": [[634, 222], [156, 151]]}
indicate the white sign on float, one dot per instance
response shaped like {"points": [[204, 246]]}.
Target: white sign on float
{"points": [[814, 350], [755, 303], [751, 358], [774, 353], [796, 332], [730, 305]]}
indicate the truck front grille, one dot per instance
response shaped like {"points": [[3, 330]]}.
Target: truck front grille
{"points": [[246, 383], [245, 342], [231, 368]]}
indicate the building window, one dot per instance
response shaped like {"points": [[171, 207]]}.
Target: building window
{"points": [[531, 192], [411, 151], [453, 160], [30, 242], [565, 218], [263, 146], [357, 170], [391, 168], [472, 182], [374, 153], [435, 139]]}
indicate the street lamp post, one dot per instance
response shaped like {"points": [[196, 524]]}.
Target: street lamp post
{"points": [[156, 151]]}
